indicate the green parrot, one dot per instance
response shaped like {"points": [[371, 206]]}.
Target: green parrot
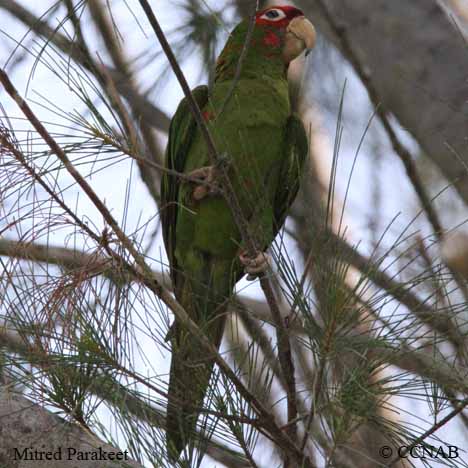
{"points": [[264, 147]]}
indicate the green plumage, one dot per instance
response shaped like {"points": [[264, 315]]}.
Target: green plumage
{"points": [[266, 147]]}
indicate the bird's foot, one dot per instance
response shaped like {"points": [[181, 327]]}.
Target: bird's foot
{"points": [[254, 266], [205, 182]]}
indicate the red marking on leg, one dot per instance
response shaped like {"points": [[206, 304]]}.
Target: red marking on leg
{"points": [[271, 39]]}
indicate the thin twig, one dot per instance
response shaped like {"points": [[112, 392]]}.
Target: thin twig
{"points": [[142, 160], [401, 292], [315, 399], [9, 146], [153, 150]]}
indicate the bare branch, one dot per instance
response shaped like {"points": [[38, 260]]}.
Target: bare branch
{"points": [[153, 151]]}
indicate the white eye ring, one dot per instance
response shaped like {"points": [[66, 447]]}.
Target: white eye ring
{"points": [[274, 14]]}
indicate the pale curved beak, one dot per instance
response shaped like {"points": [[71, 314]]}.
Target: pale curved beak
{"points": [[304, 30]]}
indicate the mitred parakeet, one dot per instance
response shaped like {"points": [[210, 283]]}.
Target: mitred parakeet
{"points": [[265, 146]]}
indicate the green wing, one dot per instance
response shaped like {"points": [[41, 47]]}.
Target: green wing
{"points": [[296, 149], [181, 132]]}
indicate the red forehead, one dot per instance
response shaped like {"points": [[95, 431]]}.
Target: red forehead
{"points": [[290, 12]]}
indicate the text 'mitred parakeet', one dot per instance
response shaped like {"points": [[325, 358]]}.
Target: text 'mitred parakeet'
{"points": [[265, 146]]}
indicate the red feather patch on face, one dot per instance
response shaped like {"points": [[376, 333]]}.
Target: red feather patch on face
{"points": [[289, 11], [271, 39]]}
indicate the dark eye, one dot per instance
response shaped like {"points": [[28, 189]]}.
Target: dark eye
{"points": [[275, 14]]}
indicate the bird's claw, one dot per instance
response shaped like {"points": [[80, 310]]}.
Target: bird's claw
{"points": [[254, 265], [206, 176]]}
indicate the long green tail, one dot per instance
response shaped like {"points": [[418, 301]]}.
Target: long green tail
{"points": [[191, 367]]}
